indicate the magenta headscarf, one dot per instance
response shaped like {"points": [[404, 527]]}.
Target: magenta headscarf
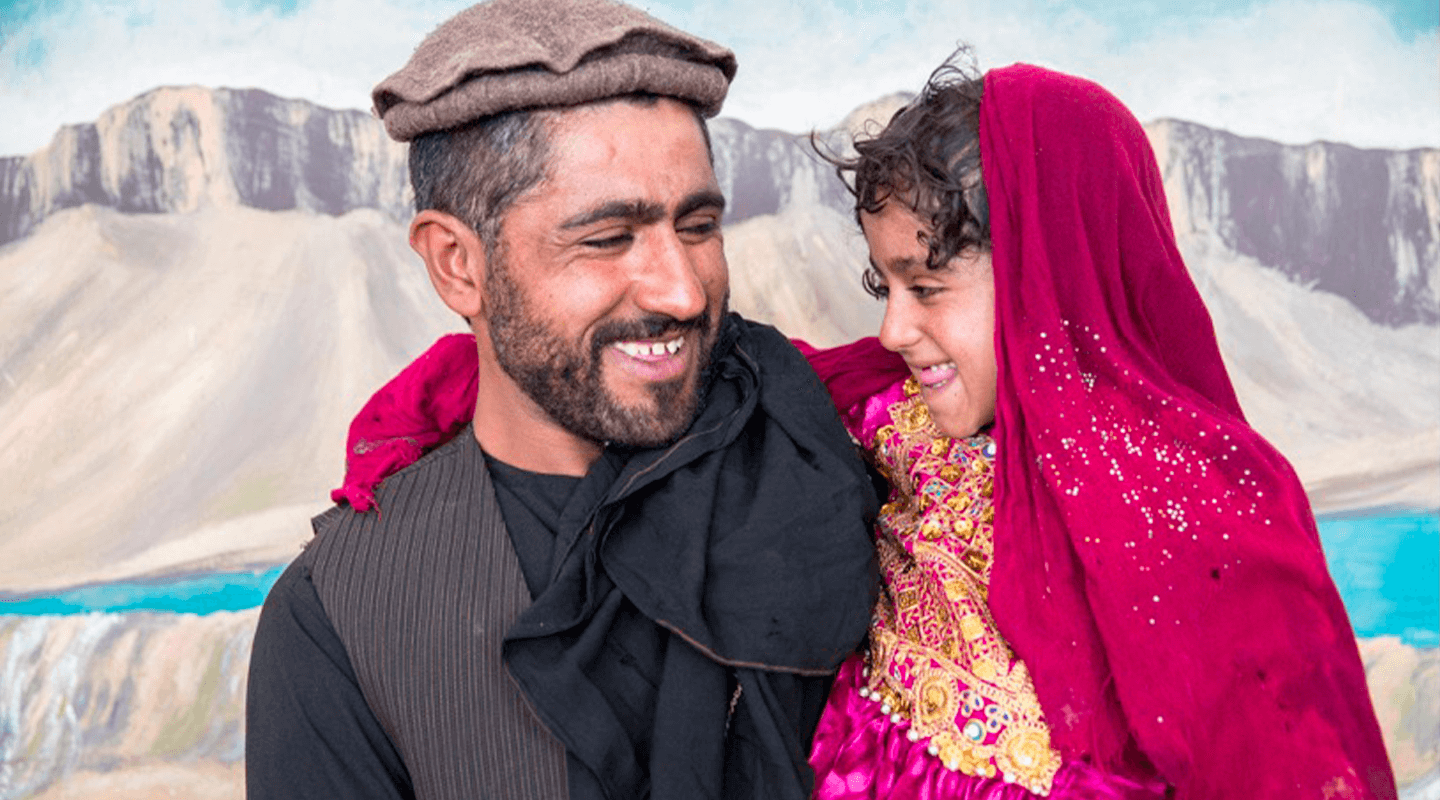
{"points": [[1157, 565]]}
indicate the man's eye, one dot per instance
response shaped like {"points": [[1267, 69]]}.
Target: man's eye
{"points": [[607, 242], [702, 228]]}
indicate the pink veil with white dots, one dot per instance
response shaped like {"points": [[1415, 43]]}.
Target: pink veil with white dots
{"points": [[1157, 564]]}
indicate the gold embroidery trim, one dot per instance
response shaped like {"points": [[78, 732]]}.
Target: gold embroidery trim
{"points": [[936, 656]]}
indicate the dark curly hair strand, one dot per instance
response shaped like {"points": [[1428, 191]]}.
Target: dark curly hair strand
{"points": [[928, 157]]}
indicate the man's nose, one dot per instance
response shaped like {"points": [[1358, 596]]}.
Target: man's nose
{"points": [[669, 278]]}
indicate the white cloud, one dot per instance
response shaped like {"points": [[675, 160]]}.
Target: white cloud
{"points": [[1293, 70], [98, 54]]}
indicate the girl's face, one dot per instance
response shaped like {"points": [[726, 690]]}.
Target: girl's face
{"points": [[942, 322]]}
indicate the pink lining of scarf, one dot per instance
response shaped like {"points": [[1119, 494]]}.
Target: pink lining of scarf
{"points": [[854, 373], [420, 409]]}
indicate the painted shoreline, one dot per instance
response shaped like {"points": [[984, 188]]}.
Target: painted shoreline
{"points": [[1387, 568], [202, 592], [1386, 563]]}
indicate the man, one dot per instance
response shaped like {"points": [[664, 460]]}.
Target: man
{"points": [[635, 574]]}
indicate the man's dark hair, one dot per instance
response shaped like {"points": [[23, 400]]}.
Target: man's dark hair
{"points": [[476, 172], [928, 158]]}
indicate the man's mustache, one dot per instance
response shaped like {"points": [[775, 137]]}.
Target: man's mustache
{"points": [[651, 326]]}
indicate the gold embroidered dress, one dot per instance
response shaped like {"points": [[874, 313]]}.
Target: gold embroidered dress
{"points": [[936, 664]]}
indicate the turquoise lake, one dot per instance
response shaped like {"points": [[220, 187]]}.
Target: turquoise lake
{"points": [[1388, 571], [195, 594], [1387, 567]]}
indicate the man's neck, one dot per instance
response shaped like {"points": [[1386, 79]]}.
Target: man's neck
{"points": [[513, 428]]}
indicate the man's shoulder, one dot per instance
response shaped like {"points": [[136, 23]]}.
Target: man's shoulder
{"points": [[417, 499], [755, 334], [440, 472], [785, 376], [435, 515]]}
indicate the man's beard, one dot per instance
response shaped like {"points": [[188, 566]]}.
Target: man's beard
{"points": [[567, 381]]}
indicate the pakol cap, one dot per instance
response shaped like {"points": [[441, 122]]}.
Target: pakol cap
{"points": [[507, 55]]}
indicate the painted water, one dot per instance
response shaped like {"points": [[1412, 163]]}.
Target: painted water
{"points": [[1388, 571], [1386, 566], [193, 594]]}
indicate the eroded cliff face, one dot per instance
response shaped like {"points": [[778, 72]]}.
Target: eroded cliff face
{"points": [[1363, 224], [178, 149], [766, 171], [147, 704], [125, 694]]}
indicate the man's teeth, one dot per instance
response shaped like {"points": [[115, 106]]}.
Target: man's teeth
{"points": [[642, 349]]}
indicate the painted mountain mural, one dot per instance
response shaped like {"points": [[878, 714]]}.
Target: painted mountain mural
{"points": [[202, 286]]}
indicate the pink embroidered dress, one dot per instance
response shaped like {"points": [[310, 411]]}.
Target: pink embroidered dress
{"points": [[939, 706], [939, 700]]}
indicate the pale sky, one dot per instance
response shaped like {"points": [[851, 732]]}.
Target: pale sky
{"points": [[1364, 73]]}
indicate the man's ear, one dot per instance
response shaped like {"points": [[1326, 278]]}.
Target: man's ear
{"points": [[455, 259]]}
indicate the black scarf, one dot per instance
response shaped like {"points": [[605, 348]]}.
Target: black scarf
{"points": [[738, 558]]}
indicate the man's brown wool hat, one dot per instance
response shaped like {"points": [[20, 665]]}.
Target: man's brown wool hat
{"points": [[507, 55]]}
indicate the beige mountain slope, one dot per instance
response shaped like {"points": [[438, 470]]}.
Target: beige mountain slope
{"points": [[175, 389], [800, 270], [167, 374], [1355, 406]]}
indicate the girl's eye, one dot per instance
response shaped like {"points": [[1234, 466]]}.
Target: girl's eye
{"points": [[922, 291]]}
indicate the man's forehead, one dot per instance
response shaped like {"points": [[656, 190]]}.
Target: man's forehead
{"points": [[653, 152], [576, 126]]}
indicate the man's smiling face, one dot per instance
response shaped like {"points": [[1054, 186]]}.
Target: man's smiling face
{"points": [[607, 287]]}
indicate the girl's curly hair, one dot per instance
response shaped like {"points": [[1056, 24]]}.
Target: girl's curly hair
{"points": [[928, 157]]}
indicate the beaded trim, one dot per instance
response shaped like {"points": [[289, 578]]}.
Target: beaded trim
{"points": [[937, 660]]}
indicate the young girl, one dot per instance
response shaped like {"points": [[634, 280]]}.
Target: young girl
{"points": [[1099, 581]]}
